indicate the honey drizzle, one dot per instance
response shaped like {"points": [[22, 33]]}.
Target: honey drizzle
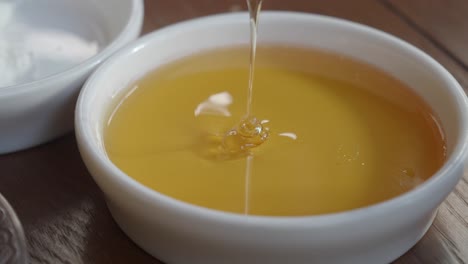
{"points": [[250, 131], [259, 133], [254, 9]]}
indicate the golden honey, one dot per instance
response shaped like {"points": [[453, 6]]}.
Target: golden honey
{"points": [[340, 134]]}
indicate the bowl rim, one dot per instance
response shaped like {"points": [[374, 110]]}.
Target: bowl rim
{"points": [[109, 171], [134, 23]]}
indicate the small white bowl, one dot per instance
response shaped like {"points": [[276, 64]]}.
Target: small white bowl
{"points": [[178, 232], [53, 41]]}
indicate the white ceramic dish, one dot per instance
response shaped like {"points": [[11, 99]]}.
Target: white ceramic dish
{"points": [[177, 232], [54, 46]]}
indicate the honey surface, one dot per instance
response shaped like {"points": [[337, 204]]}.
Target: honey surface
{"points": [[342, 134]]}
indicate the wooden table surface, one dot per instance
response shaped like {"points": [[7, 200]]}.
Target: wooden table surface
{"points": [[64, 214]]}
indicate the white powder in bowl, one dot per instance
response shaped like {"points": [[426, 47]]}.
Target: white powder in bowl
{"points": [[15, 62], [35, 45]]}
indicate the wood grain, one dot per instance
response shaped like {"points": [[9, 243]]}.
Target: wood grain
{"points": [[444, 22], [64, 213]]}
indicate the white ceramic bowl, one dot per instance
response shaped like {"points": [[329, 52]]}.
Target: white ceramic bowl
{"points": [[177, 232], [48, 36]]}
